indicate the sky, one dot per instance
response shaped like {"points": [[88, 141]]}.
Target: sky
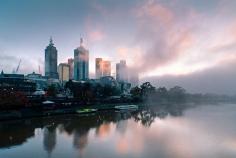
{"points": [[171, 42]]}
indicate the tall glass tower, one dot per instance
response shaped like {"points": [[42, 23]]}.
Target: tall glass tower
{"points": [[81, 63], [51, 61]]}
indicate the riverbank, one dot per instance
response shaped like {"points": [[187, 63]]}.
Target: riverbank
{"points": [[37, 112]]}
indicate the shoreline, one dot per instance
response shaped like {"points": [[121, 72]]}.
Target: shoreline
{"points": [[32, 112]]}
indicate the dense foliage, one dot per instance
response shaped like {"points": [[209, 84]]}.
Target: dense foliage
{"points": [[10, 99], [147, 92], [87, 91]]}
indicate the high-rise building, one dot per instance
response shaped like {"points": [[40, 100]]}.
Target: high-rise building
{"points": [[134, 78], [81, 62], [121, 71], [64, 72], [71, 71], [51, 61], [106, 68], [103, 68], [98, 67]]}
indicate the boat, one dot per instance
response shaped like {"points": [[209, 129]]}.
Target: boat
{"points": [[48, 105], [126, 107], [86, 111]]}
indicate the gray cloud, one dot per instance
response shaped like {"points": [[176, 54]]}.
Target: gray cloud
{"points": [[8, 63]]}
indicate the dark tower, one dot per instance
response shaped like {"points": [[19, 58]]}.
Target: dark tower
{"points": [[51, 61]]}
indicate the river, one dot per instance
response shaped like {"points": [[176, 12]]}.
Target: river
{"points": [[173, 131]]}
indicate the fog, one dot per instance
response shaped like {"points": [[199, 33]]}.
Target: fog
{"points": [[217, 80]]}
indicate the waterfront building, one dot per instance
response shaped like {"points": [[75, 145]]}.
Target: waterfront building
{"points": [[121, 71], [51, 61], [81, 63], [71, 71], [103, 68], [64, 72], [134, 78], [106, 68], [17, 82], [98, 67], [41, 82]]}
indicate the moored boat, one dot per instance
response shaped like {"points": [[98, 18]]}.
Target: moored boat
{"points": [[86, 111], [126, 107]]}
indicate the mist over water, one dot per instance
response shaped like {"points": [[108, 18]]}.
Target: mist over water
{"points": [[161, 131]]}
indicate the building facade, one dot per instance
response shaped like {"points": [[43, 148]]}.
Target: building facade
{"points": [[64, 72], [71, 71], [121, 71], [106, 68], [103, 68], [134, 79], [17, 83], [81, 63], [98, 67], [51, 61]]}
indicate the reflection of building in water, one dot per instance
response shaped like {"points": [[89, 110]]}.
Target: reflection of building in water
{"points": [[104, 130], [80, 139], [49, 139], [121, 126], [14, 133]]}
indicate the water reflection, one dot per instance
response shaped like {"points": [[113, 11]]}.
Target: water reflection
{"points": [[49, 138], [158, 131], [17, 132]]}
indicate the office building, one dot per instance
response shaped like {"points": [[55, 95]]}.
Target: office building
{"points": [[64, 72], [133, 78], [106, 68], [51, 61], [103, 68], [121, 71], [81, 63], [71, 71], [98, 67]]}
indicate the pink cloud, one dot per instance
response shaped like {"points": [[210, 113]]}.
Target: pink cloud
{"points": [[96, 35], [162, 34]]}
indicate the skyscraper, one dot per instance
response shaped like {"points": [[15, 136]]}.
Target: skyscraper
{"points": [[64, 71], [71, 71], [103, 68], [81, 62], [98, 67], [133, 78], [106, 68], [121, 71], [51, 61]]}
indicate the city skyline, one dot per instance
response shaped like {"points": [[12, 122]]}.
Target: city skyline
{"points": [[159, 38]]}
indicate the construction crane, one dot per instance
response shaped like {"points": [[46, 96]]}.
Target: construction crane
{"points": [[39, 70], [17, 69]]}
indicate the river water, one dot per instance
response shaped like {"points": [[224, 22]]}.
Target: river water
{"points": [[173, 131]]}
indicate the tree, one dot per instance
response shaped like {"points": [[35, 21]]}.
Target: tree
{"points": [[162, 94], [10, 99], [136, 93], [177, 94], [51, 91], [147, 90]]}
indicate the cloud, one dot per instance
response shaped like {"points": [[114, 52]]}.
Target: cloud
{"points": [[161, 34], [96, 35], [8, 63], [94, 31]]}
